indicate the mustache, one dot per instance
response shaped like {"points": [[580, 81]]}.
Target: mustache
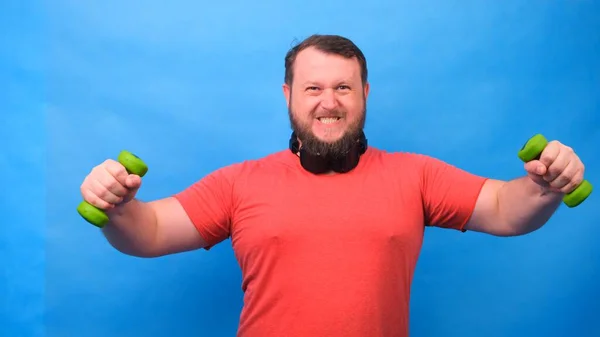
{"points": [[331, 113]]}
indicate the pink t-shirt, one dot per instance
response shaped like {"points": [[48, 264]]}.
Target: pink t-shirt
{"points": [[329, 255]]}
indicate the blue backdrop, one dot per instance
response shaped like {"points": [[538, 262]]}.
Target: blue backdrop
{"points": [[192, 86]]}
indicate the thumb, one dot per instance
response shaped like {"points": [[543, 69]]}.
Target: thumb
{"points": [[535, 168], [133, 182]]}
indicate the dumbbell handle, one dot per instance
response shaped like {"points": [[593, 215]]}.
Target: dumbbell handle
{"points": [[96, 216], [533, 149]]}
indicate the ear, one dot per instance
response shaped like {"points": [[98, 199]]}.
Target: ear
{"points": [[367, 87], [287, 91]]}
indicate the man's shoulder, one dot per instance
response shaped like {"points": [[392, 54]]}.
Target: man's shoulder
{"points": [[278, 157], [261, 163], [386, 157]]}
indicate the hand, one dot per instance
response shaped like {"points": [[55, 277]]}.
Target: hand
{"points": [[559, 169], [109, 184]]}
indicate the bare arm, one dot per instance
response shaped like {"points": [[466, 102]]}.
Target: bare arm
{"points": [[513, 208], [523, 205], [152, 229]]}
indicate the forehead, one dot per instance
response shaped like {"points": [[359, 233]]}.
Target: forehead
{"points": [[314, 65]]}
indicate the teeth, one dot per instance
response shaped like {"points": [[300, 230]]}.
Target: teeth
{"points": [[328, 120]]}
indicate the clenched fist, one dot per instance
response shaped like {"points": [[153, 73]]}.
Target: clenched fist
{"points": [[109, 184], [558, 168]]}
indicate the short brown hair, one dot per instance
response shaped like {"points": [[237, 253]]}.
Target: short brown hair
{"points": [[332, 44]]}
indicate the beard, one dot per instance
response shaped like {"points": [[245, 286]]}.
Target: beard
{"points": [[330, 150]]}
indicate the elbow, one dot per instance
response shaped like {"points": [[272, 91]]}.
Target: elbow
{"points": [[503, 227], [131, 246], [508, 232], [135, 251], [514, 228]]}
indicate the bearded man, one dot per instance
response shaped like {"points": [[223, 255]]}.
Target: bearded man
{"points": [[327, 232]]}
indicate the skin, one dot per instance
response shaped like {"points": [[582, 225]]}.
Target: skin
{"points": [[523, 205], [143, 229], [326, 85]]}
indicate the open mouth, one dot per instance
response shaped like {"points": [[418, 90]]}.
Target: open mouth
{"points": [[328, 120]]}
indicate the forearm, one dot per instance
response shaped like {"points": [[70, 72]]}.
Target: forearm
{"points": [[132, 228], [525, 206]]}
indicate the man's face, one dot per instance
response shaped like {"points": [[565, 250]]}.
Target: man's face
{"points": [[326, 101]]}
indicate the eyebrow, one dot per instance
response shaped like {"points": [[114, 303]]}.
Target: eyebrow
{"points": [[310, 83]]}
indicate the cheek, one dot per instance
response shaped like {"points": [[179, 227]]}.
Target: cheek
{"points": [[353, 108], [304, 109]]}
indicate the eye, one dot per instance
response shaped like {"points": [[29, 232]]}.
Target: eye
{"points": [[344, 87], [312, 88]]}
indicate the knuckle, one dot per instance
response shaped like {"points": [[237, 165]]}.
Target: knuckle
{"points": [[109, 165], [93, 199], [109, 162], [86, 194], [97, 202], [570, 187], [116, 167], [94, 171], [116, 188], [554, 146], [566, 189], [102, 192], [105, 165], [578, 178], [102, 204], [85, 184], [554, 171], [559, 182], [113, 185], [548, 157]]}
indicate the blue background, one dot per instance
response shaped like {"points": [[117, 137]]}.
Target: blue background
{"points": [[192, 86]]}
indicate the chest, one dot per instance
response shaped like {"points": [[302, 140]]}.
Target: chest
{"points": [[286, 214]]}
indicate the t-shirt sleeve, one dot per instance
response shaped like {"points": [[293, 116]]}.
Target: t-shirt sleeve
{"points": [[449, 193], [209, 204]]}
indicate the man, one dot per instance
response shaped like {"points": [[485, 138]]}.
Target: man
{"points": [[328, 249]]}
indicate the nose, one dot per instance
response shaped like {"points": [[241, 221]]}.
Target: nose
{"points": [[328, 99]]}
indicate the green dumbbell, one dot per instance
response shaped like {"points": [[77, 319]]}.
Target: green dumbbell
{"points": [[532, 151], [97, 217]]}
